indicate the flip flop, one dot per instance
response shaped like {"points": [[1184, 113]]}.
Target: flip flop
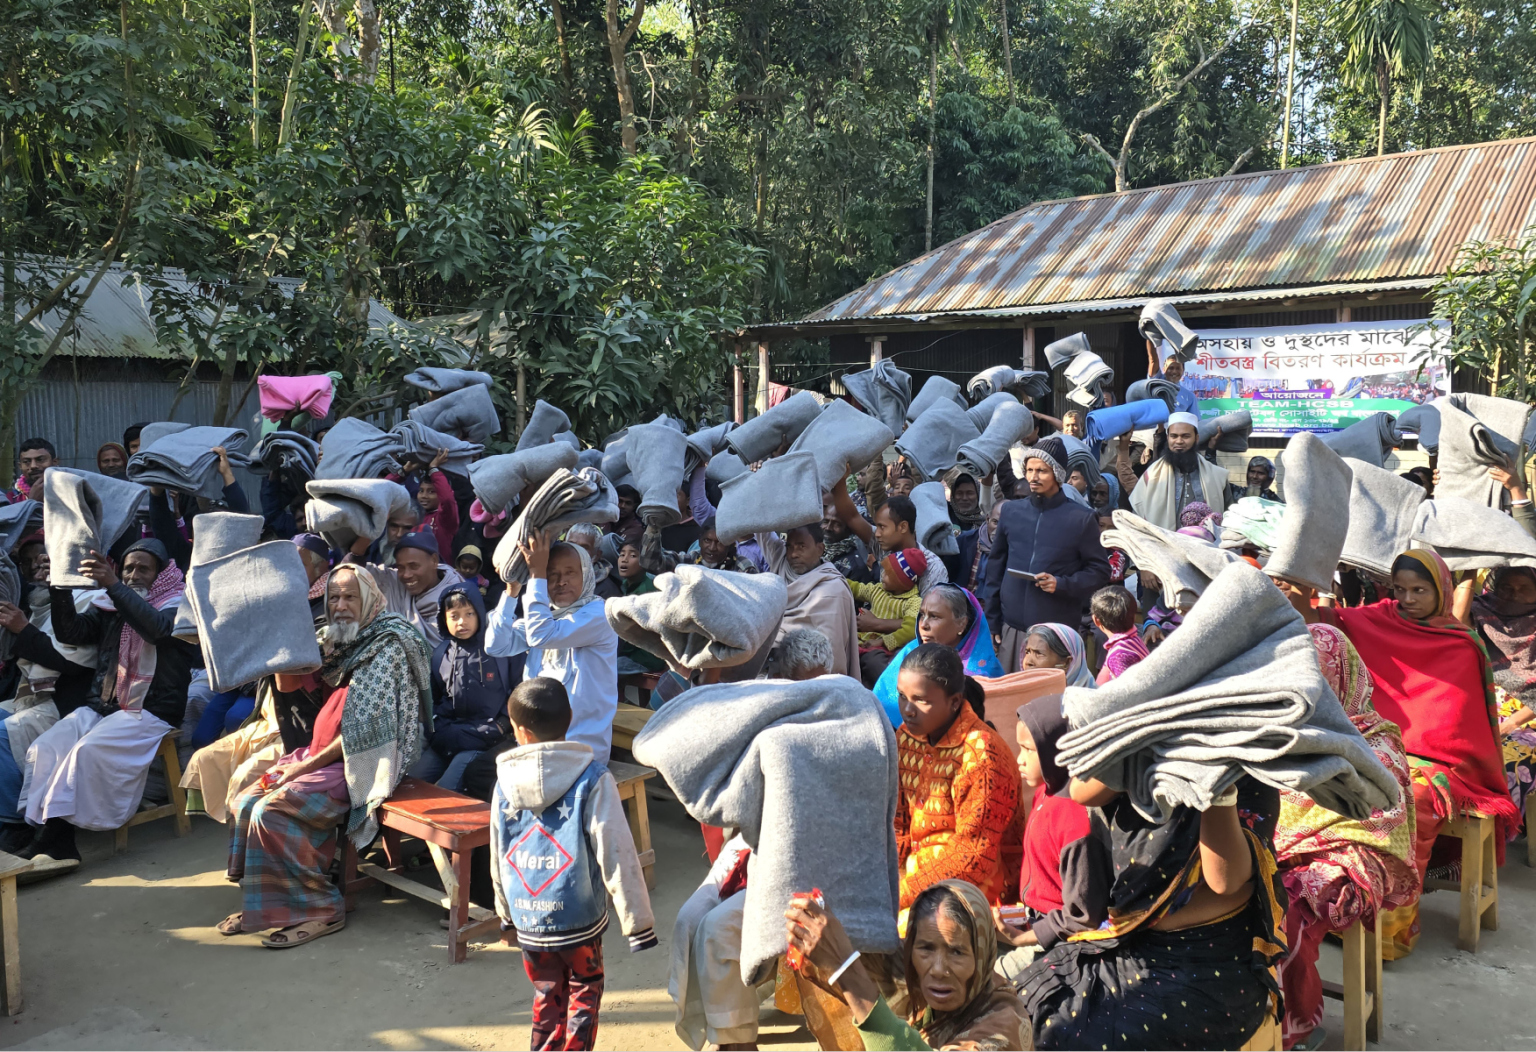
{"points": [[230, 925], [300, 934], [46, 866], [1313, 1041]]}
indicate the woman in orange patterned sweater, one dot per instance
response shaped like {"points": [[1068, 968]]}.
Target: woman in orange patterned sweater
{"points": [[959, 799]]}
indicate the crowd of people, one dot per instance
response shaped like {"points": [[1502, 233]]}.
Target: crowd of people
{"points": [[970, 620]]}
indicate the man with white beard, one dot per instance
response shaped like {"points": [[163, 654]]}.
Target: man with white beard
{"points": [[89, 769]]}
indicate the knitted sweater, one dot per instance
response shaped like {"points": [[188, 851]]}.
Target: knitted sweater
{"points": [[904, 608]]}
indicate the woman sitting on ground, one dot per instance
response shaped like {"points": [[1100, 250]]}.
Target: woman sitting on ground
{"points": [[369, 732], [951, 617], [957, 811], [955, 999], [1052, 645]]}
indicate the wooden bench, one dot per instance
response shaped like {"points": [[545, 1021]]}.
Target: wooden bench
{"points": [[631, 779], [452, 825], [1361, 989], [628, 721], [10, 935], [1479, 900], [176, 808]]}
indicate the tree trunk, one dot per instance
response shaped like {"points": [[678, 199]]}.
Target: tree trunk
{"points": [[290, 94], [933, 116], [1013, 99], [564, 45], [618, 43], [1383, 85], [255, 85], [369, 44], [1290, 87], [221, 398]]}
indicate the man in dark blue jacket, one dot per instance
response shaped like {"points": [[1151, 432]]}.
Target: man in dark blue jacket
{"points": [[1046, 560]]}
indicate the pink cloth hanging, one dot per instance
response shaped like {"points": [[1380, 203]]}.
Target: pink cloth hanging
{"points": [[281, 395]]}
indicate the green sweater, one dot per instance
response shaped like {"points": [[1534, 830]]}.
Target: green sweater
{"points": [[883, 1032]]}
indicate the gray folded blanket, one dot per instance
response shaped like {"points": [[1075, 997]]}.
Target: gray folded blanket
{"points": [[884, 391], [566, 498], [1062, 351], [1160, 321], [723, 467], [1310, 539], [1153, 387], [1424, 421], [1236, 691], [1235, 429], [704, 444], [842, 440], [1369, 440], [467, 412], [759, 437], [499, 480], [616, 457], [934, 530], [981, 412], [355, 449], [441, 381], [544, 424], [422, 442], [154, 432], [1472, 536], [569, 438], [342, 510], [934, 439], [17, 520], [1080, 457], [185, 461], [1468, 448], [590, 458], [783, 494], [287, 451], [215, 534], [657, 455], [770, 757], [936, 388], [1088, 373], [1184, 565], [253, 617], [83, 511], [702, 618], [1382, 510], [1025, 383], [1507, 418], [1010, 423]]}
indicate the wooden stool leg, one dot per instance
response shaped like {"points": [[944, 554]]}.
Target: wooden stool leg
{"points": [[10, 994], [1373, 982], [120, 840], [1470, 924], [458, 914], [173, 781], [1354, 987], [1489, 901], [638, 813]]}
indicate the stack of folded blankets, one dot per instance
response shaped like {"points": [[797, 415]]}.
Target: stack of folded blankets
{"points": [[884, 391], [422, 443], [84, 512], [544, 423], [702, 618], [1235, 427], [1252, 520], [1478, 432], [934, 530], [1027, 383], [759, 437], [17, 520], [215, 534], [1010, 422], [932, 443], [499, 480], [783, 494], [441, 381], [657, 455], [1160, 321], [1370, 440], [467, 412], [1153, 387], [342, 510], [1112, 421], [288, 452], [843, 440], [704, 445], [565, 498], [281, 396], [1236, 691], [185, 460], [1382, 510], [1088, 373], [1184, 565], [355, 449]]}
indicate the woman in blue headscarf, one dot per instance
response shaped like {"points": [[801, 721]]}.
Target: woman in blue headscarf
{"points": [[951, 617]]}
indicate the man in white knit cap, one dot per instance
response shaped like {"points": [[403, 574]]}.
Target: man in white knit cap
{"points": [[1177, 478]]}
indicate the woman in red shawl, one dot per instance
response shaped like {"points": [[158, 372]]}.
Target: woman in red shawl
{"points": [[1434, 680]]}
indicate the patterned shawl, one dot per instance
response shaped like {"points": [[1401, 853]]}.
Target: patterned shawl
{"points": [[136, 660], [1509, 632], [993, 1015]]}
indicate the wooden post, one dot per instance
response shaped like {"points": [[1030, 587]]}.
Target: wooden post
{"points": [[762, 377], [522, 399], [1344, 314], [876, 349], [738, 390], [1029, 347]]}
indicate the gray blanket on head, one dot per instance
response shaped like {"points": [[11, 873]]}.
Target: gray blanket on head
{"points": [[342, 510], [287, 451], [154, 432], [808, 772], [1012, 422], [1369, 440], [937, 387], [422, 442], [499, 480], [1382, 510], [590, 458], [566, 498], [759, 437], [704, 444], [1468, 448], [783, 494], [1311, 536], [1062, 351], [1471, 536], [934, 530], [884, 391], [1507, 418], [1423, 421], [544, 424], [981, 412], [215, 534], [1025, 383], [842, 440], [1160, 321], [253, 615], [702, 618], [1236, 691], [83, 511], [441, 381], [355, 449], [934, 439], [1235, 428], [1153, 387], [657, 455], [467, 412], [1184, 565], [17, 520], [724, 467], [185, 460]]}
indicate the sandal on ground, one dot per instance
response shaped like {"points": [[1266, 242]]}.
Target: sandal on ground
{"points": [[45, 866], [300, 934], [230, 925], [1312, 1041]]}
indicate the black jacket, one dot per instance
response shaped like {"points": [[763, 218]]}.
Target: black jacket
{"points": [[469, 686], [174, 662], [73, 687], [1055, 536]]}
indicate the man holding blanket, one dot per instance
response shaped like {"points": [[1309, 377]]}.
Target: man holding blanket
{"points": [[1179, 477]]}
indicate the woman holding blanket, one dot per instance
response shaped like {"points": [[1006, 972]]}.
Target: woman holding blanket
{"points": [[1434, 680], [951, 617]]}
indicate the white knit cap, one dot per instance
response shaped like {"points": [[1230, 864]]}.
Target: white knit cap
{"points": [[1184, 418]]}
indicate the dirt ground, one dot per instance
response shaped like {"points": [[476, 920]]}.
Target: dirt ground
{"points": [[123, 955]]}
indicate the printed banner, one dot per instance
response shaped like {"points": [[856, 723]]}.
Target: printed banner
{"points": [[1315, 377]]}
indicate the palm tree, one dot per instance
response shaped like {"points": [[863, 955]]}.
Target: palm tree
{"points": [[1385, 39]]}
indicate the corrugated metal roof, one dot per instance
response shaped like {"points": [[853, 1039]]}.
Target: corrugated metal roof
{"points": [[117, 322], [1357, 224]]}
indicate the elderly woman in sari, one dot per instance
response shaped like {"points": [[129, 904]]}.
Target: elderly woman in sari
{"points": [[1053, 645], [1505, 619], [365, 737], [945, 977], [950, 616]]}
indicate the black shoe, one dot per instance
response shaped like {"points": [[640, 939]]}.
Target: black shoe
{"points": [[56, 839], [16, 837]]}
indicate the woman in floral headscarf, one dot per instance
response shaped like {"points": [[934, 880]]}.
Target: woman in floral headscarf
{"points": [[1505, 619]]}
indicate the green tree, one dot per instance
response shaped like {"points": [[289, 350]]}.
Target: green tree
{"points": [[1489, 298], [1384, 39]]}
